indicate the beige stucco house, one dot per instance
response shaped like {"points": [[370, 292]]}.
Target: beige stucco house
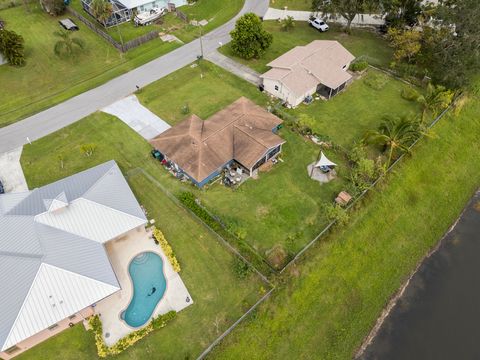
{"points": [[319, 67]]}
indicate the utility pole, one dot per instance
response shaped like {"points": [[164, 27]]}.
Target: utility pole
{"points": [[201, 41]]}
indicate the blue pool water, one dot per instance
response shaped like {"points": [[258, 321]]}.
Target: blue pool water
{"points": [[149, 284]]}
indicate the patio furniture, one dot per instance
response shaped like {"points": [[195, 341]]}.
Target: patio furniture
{"points": [[343, 198]]}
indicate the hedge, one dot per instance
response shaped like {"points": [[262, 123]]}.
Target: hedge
{"points": [[167, 249], [124, 343], [188, 200]]}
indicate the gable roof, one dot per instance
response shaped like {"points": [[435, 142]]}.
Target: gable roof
{"points": [[52, 239], [303, 67], [241, 131]]}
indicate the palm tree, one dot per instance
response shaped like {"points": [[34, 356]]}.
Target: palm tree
{"points": [[395, 135], [436, 99], [287, 24], [102, 10], [67, 45]]}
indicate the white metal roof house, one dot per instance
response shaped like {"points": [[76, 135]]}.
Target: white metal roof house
{"points": [[123, 10], [53, 263], [321, 66]]}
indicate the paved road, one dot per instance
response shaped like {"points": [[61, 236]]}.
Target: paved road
{"points": [[359, 20], [74, 109]]}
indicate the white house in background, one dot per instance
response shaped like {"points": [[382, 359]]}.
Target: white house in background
{"points": [[124, 10], [319, 67], [53, 262]]}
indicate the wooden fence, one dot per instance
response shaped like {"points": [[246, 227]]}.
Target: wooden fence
{"points": [[121, 47]]}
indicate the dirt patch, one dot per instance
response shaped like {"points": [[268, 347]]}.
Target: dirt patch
{"points": [[262, 211], [277, 256]]}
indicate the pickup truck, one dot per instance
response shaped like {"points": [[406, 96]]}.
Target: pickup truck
{"points": [[318, 24]]}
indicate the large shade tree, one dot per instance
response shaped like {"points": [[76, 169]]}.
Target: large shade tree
{"points": [[399, 13], [346, 8], [249, 38], [451, 49]]}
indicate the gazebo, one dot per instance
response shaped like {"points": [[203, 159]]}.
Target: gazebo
{"points": [[323, 170]]}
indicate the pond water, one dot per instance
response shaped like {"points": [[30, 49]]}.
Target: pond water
{"points": [[149, 285], [438, 316]]}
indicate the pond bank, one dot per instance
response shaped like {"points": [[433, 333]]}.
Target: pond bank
{"points": [[435, 314]]}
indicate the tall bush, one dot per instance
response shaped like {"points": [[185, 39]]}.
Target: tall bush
{"points": [[249, 38], [12, 47]]}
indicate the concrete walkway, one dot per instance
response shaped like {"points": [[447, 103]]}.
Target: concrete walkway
{"points": [[234, 67], [11, 173], [78, 107], [359, 20], [138, 117]]}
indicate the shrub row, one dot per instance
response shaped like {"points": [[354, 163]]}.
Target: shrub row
{"points": [[124, 343], [189, 201], [167, 249], [359, 65]]}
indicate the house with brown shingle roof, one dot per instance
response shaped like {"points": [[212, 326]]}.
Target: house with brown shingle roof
{"points": [[242, 133], [319, 67]]}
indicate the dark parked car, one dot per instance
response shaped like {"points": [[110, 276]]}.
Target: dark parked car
{"points": [[2, 190]]}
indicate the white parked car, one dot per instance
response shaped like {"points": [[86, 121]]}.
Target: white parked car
{"points": [[147, 17], [318, 24]]}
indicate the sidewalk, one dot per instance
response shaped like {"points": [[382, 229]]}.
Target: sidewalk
{"points": [[360, 20], [234, 67]]}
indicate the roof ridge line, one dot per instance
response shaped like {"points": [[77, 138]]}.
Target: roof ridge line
{"points": [[100, 178], [231, 122], [250, 136], [20, 310]]}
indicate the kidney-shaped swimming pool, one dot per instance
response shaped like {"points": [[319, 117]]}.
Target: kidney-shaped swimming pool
{"points": [[149, 285]]}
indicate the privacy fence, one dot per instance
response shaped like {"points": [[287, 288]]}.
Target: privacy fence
{"points": [[123, 47]]}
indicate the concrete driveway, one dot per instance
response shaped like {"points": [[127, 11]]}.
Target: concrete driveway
{"points": [[138, 117], [11, 173]]}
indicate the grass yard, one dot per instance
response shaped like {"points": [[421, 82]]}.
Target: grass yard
{"points": [[204, 95], [283, 206], [47, 80], [360, 107], [332, 299], [305, 5], [207, 271], [363, 43], [216, 12]]}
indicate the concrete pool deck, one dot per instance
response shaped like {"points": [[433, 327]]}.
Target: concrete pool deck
{"points": [[120, 253]]}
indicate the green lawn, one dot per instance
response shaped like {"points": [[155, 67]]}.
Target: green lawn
{"points": [[346, 117], [205, 94], [283, 206], [363, 43], [333, 298], [47, 80], [305, 5], [206, 264], [216, 12]]}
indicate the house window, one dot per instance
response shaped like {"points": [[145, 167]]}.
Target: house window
{"points": [[53, 327], [276, 87], [12, 349]]}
